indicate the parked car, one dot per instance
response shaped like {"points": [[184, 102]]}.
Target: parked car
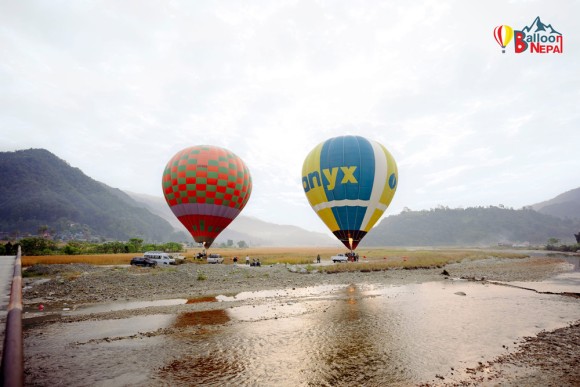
{"points": [[339, 258], [214, 258], [143, 261], [160, 257]]}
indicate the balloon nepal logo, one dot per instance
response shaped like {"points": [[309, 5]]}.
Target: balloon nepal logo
{"points": [[539, 38]]}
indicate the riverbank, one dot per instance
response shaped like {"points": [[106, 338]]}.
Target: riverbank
{"points": [[80, 283], [72, 287]]}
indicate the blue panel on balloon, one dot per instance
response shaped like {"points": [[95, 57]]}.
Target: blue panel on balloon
{"points": [[348, 167], [349, 217]]}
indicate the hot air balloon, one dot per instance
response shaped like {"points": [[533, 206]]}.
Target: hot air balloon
{"points": [[349, 181], [503, 35], [206, 187]]}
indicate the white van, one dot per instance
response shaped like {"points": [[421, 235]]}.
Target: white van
{"points": [[160, 257]]}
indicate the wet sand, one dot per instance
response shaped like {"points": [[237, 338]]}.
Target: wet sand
{"points": [[164, 311]]}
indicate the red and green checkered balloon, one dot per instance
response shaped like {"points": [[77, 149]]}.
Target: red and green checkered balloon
{"points": [[206, 187]]}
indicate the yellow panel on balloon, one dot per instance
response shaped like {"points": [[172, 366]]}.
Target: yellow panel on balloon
{"points": [[328, 218]]}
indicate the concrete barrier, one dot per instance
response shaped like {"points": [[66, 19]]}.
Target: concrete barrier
{"points": [[12, 368]]}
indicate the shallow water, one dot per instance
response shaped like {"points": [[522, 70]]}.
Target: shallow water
{"points": [[567, 282], [315, 336]]}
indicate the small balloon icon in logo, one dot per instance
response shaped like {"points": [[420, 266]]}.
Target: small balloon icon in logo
{"points": [[503, 35]]}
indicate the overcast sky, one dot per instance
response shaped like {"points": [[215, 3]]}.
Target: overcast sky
{"points": [[116, 88]]}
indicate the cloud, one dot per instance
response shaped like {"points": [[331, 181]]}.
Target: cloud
{"points": [[117, 88]]}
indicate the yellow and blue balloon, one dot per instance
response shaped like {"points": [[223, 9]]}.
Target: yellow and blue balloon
{"points": [[349, 181]]}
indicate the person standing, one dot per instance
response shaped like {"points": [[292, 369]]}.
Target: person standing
{"points": [[235, 261], [248, 260], [318, 258]]}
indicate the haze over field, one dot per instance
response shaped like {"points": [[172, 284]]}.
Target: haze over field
{"points": [[116, 89]]}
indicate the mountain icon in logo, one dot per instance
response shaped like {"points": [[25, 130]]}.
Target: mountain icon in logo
{"points": [[538, 26]]}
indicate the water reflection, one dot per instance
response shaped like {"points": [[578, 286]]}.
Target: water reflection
{"points": [[213, 369], [345, 335], [353, 345], [370, 335], [201, 300], [207, 317], [574, 261], [562, 283], [308, 292]]}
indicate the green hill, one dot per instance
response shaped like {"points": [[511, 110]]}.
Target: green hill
{"points": [[566, 205], [41, 191], [470, 227]]}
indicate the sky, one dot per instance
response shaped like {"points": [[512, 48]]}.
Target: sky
{"points": [[116, 88]]}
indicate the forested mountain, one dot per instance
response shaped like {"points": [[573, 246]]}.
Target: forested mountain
{"points": [[470, 227], [566, 205], [41, 191]]}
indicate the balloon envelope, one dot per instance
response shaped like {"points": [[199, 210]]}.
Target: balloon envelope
{"points": [[206, 187], [349, 181]]}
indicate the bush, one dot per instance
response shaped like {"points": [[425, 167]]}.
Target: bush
{"points": [[37, 246]]}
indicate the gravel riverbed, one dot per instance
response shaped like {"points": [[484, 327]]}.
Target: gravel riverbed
{"points": [[550, 358], [81, 283]]}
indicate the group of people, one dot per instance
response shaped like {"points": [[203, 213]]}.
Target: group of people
{"points": [[255, 262], [352, 256]]}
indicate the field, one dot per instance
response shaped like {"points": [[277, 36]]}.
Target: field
{"points": [[370, 259]]}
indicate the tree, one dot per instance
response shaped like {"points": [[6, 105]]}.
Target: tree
{"points": [[9, 249], [553, 241], [135, 245], [70, 250], [242, 244], [37, 246], [43, 230], [172, 247]]}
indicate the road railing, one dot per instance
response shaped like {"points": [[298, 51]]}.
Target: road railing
{"points": [[12, 368]]}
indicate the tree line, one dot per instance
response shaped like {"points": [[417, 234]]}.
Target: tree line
{"points": [[44, 246]]}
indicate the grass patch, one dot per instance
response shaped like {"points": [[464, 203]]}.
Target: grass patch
{"points": [[31, 274], [97, 259], [71, 275], [201, 275]]}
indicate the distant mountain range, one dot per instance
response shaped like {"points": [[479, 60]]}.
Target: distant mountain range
{"points": [[245, 228], [535, 224], [41, 193], [564, 206], [475, 226]]}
